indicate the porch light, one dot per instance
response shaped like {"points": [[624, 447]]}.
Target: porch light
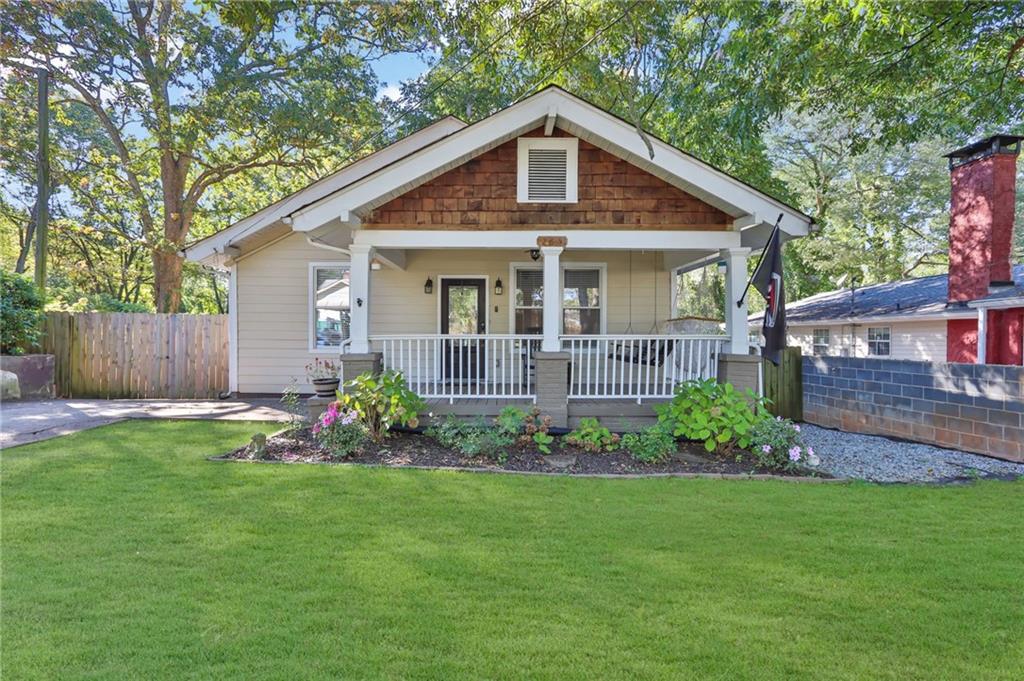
{"points": [[722, 267], [498, 288], [428, 287]]}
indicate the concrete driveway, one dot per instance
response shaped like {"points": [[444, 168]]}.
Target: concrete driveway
{"points": [[31, 421]]}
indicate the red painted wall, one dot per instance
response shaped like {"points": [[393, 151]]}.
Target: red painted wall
{"points": [[1004, 338], [962, 341]]}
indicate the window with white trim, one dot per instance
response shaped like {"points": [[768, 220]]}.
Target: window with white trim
{"points": [[330, 311], [582, 297], [879, 341], [547, 170], [821, 341], [581, 301], [529, 301]]}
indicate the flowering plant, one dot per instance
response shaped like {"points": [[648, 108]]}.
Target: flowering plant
{"points": [[322, 368], [777, 444], [339, 431]]}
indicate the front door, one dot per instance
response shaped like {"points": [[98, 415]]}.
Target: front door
{"points": [[463, 313]]}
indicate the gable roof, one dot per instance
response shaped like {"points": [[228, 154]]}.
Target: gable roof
{"points": [[409, 163], [272, 218], [906, 300]]}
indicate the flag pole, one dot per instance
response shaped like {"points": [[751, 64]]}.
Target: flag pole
{"points": [[778, 222]]}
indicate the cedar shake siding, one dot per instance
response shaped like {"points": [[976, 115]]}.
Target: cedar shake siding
{"points": [[612, 193]]}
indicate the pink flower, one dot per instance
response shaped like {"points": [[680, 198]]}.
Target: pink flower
{"points": [[767, 449], [794, 454], [810, 451], [796, 428]]}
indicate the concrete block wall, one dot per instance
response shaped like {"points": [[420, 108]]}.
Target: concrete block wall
{"points": [[976, 408]]}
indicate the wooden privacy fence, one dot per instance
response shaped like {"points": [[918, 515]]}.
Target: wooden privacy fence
{"points": [[112, 354], [783, 385]]}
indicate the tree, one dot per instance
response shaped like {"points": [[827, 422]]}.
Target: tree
{"points": [[177, 89]]}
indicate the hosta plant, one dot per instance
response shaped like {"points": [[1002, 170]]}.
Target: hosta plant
{"points": [[713, 413]]}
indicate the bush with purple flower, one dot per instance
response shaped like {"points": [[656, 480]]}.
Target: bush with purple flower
{"points": [[339, 431], [778, 445]]}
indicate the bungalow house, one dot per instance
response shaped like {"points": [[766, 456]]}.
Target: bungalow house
{"points": [[526, 257], [938, 318]]}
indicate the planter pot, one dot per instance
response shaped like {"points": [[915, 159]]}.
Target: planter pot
{"points": [[326, 387]]}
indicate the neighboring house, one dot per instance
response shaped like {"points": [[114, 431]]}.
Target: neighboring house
{"points": [[533, 248], [901, 320], [937, 318]]}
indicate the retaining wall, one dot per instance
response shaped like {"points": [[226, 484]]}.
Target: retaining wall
{"points": [[977, 408]]}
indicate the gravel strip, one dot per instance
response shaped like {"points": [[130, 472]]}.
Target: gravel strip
{"points": [[879, 459]]}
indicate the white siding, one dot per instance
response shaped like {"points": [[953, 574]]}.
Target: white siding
{"points": [[273, 300], [924, 341]]}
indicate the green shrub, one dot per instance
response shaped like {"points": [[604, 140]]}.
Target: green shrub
{"points": [[339, 431], [713, 413], [381, 402], [472, 439], [21, 313], [591, 436], [511, 421], [776, 444], [651, 445]]}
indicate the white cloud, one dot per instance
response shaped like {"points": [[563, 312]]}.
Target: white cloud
{"points": [[392, 92]]}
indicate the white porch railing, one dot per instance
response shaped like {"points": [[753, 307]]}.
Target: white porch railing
{"points": [[502, 366], [638, 367], [471, 366]]}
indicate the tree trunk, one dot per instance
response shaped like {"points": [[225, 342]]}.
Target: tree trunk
{"points": [[167, 260], [167, 265]]}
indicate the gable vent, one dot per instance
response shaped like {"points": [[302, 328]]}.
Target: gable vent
{"points": [[548, 169], [547, 174]]}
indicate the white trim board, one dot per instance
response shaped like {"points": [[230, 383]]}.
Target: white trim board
{"points": [[597, 239]]}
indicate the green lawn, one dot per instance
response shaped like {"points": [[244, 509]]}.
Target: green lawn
{"points": [[125, 554]]}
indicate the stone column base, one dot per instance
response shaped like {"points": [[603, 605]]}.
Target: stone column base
{"points": [[552, 385], [315, 406], [357, 364], [740, 370]]}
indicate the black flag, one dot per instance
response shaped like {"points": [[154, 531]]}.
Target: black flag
{"points": [[767, 280]]}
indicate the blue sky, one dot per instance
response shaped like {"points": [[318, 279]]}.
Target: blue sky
{"points": [[395, 68]]}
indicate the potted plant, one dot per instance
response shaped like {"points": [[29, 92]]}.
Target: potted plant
{"points": [[323, 374]]}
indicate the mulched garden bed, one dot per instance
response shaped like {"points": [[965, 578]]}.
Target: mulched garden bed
{"points": [[417, 450]]}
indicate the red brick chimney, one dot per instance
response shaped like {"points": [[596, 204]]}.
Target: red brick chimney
{"points": [[983, 180]]}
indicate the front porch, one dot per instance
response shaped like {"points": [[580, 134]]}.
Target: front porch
{"points": [[562, 330]]}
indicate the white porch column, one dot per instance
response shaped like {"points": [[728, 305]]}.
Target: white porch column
{"points": [[736, 326], [982, 335], [359, 298], [552, 298]]}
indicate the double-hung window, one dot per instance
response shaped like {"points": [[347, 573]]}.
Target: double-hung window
{"points": [[581, 301], [582, 293], [821, 341], [329, 305], [879, 341]]}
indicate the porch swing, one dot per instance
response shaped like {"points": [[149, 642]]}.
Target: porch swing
{"points": [[652, 353]]}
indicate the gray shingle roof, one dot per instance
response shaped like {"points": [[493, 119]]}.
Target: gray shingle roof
{"points": [[906, 298]]}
